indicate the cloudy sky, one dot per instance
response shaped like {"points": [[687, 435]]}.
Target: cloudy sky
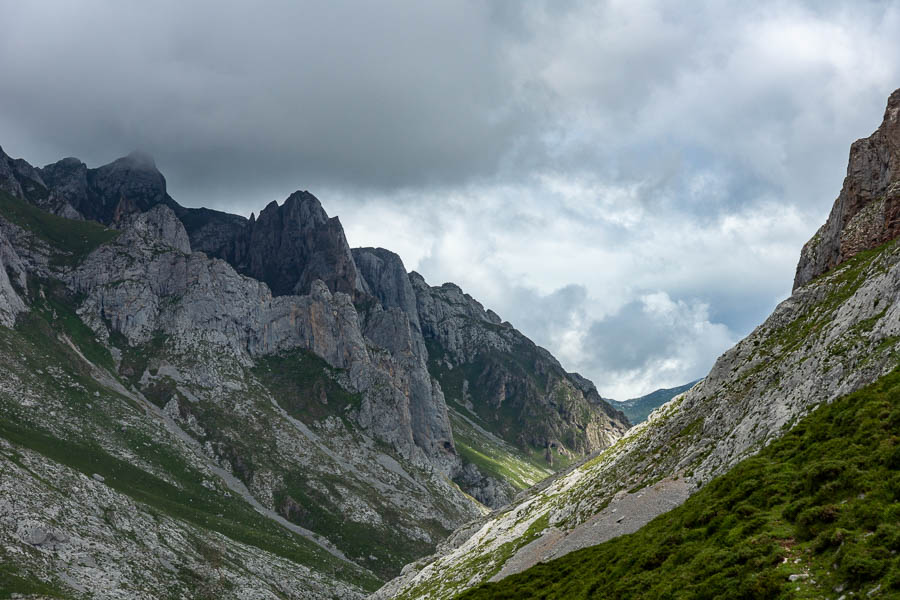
{"points": [[627, 182]]}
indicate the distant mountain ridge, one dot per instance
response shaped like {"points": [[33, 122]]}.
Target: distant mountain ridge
{"points": [[638, 409]]}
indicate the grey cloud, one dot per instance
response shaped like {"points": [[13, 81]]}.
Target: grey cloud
{"points": [[242, 103], [444, 130], [402, 94]]}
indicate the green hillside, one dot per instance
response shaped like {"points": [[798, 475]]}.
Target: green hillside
{"points": [[814, 515]]}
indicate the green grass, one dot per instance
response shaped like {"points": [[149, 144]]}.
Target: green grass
{"points": [[173, 488], [304, 385], [384, 549], [499, 460], [823, 501], [13, 581], [73, 240], [189, 501], [53, 303]]}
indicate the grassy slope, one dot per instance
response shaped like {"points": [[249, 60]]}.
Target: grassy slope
{"points": [[34, 339], [493, 456], [73, 240], [823, 502]]}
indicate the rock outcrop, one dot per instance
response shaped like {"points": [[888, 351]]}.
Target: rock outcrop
{"points": [[288, 246], [147, 283], [866, 214], [489, 368], [20, 180], [130, 184], [10, 302]]}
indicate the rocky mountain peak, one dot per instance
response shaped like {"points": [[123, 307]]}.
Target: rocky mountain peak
{"points": [[866, 214], [160, 224], [291, 245]]}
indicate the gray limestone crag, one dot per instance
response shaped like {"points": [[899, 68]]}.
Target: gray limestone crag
{"points": [[866, 214], [288, 246], [20, 179], [159, 224], [10, 302], [388, 280], [147, 283], [517, 388]]}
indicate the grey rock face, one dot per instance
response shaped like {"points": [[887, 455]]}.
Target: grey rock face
{"points": [[288, 246], [159, 224], [487, 490], [67, 181], [145, 284], [517, 388], [142, 284], [19, 179], [387, 279], [867, 212], [131, 184], [10, 302]]}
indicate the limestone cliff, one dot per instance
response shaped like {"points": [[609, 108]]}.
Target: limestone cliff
{"points": [[288, 246], [490, 370], [867, 212]]}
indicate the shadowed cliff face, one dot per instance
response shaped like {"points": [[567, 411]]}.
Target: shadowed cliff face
{"points": [[866, 214], [288, 246]]}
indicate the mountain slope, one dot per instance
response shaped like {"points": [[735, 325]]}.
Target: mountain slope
{"points": [[291, 444], [638, 409], [834, 335], [815, 513]]}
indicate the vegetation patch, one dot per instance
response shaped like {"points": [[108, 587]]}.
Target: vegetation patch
{"points": [[188, 501], [382, 548], [16, 584], [304, 385], [73, 240], [817, 510], [494, 458]]}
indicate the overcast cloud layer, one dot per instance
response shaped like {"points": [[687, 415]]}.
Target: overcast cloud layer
{"points": [[629, 183]]}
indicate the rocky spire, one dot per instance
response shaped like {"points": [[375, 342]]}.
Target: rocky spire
{"points": [[866, 214]]}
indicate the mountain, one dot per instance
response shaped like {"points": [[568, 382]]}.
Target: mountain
{"points": [[837, 333], [638, 409], [201, 403]]}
